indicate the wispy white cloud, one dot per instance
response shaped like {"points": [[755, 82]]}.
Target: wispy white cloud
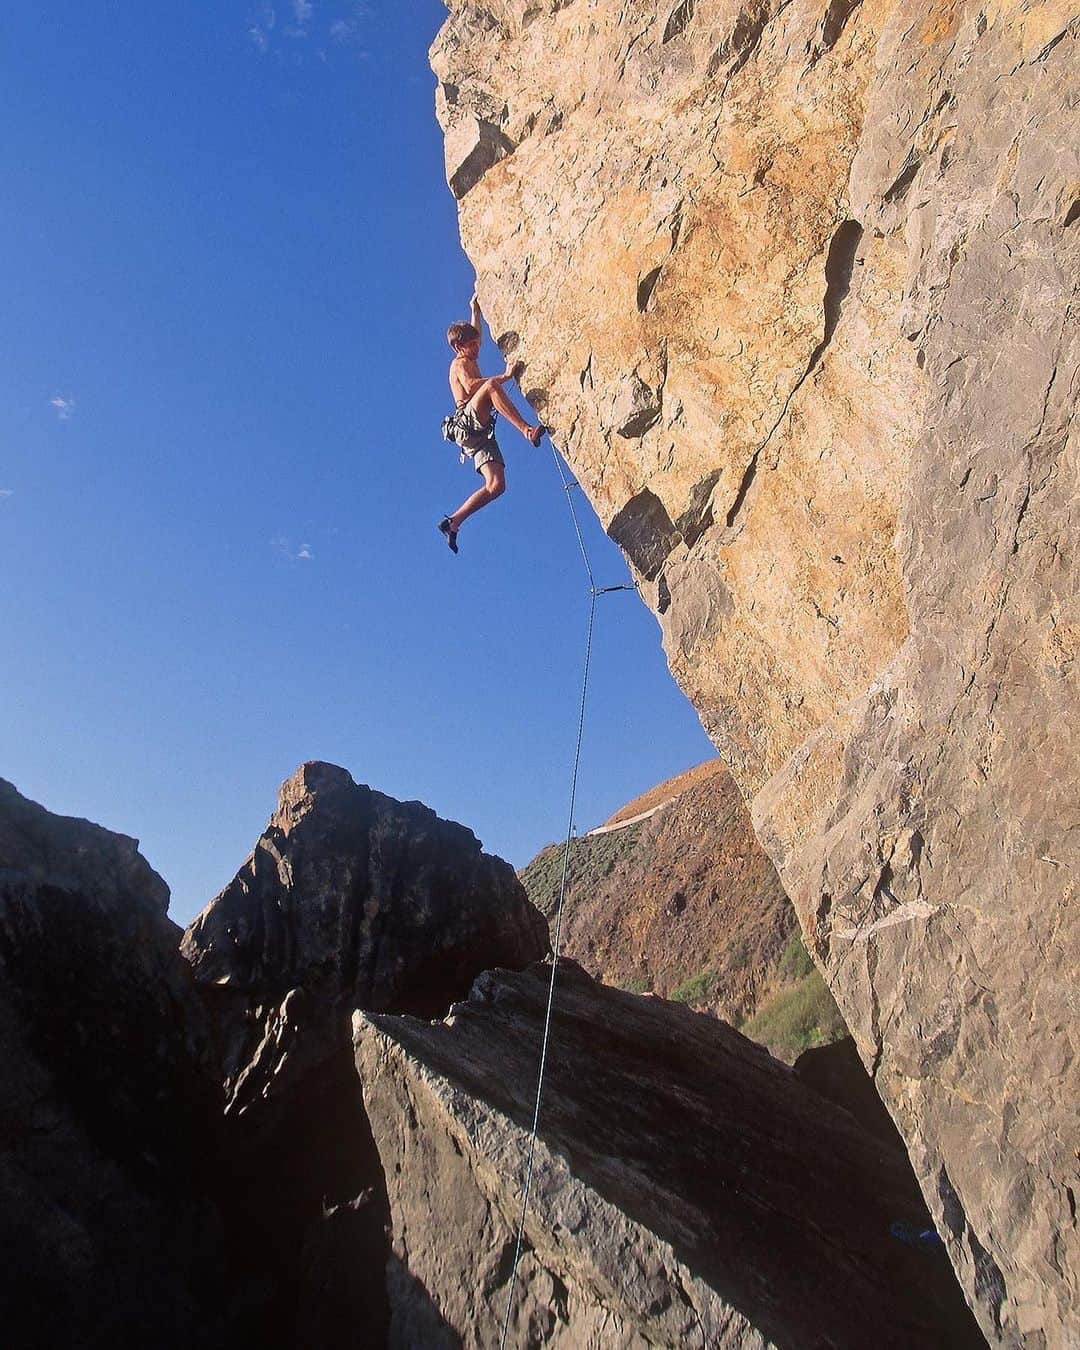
{"points": [[282, 29], [348, 35], [64, 405], [284, 546], [6, 492], [260, 27], [346, 31]]}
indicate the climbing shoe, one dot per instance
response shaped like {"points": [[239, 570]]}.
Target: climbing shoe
{"points": [[537, 435], [451, 534]]}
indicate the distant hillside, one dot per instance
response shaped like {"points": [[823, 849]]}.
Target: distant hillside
{"points": [[685, 904], [667, 791]]}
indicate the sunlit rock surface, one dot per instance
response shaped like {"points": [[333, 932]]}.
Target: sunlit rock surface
{"points": [[794, 283]]}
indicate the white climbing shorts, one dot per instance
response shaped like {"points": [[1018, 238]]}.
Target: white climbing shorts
{"points": [[474, 438], [490, 454]]}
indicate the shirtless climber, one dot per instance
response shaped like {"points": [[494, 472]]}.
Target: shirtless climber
{"points": [[472, 424]]}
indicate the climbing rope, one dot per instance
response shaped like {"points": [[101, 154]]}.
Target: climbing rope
{"points": [[595, 591]]}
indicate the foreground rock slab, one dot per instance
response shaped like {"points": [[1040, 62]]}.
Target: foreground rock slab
{"points": [[109, 1100], [688, 1191]]}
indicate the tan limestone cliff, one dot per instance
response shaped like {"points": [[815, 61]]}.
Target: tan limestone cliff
{"points": [[795, 286]]}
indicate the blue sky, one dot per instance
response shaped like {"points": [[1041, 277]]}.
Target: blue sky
{"points": [[229, 257]]}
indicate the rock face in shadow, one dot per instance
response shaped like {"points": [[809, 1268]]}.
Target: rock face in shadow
{"points": [[688, 1189], [836, 1071], [796, 289], [352, 898], [349, 899], [109, 1100]]}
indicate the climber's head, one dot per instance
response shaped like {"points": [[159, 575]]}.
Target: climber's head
{"points": [[464, 339]]}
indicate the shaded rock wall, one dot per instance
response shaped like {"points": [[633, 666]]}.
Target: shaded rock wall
{"points": [[351, 897], [688, 1190], [109, 1100], [795, 283]]}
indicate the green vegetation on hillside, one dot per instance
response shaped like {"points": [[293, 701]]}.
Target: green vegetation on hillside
{"points": [[797, 1019], [773, 995], [795, 964], [696, 989], [592, 857]]}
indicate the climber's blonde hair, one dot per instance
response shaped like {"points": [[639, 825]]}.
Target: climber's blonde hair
{"points": [[459, 333]]}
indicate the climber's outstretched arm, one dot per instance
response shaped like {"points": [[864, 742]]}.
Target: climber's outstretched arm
{"points": [[475, 317]]}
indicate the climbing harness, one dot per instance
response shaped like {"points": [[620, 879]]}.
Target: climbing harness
{"points": [[595, 591], [462, 429]]}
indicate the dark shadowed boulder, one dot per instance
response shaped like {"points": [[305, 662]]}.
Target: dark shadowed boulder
{"points": [[109, 1102], [349, 899]]}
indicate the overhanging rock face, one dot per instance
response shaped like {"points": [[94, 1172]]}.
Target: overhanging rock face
{"points": [[795, 287], [688, 1189]]}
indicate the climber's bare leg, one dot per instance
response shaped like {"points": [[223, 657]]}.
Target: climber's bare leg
{"points": [[491, 393], [501, 400], [481, 399], [494, 476]]}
